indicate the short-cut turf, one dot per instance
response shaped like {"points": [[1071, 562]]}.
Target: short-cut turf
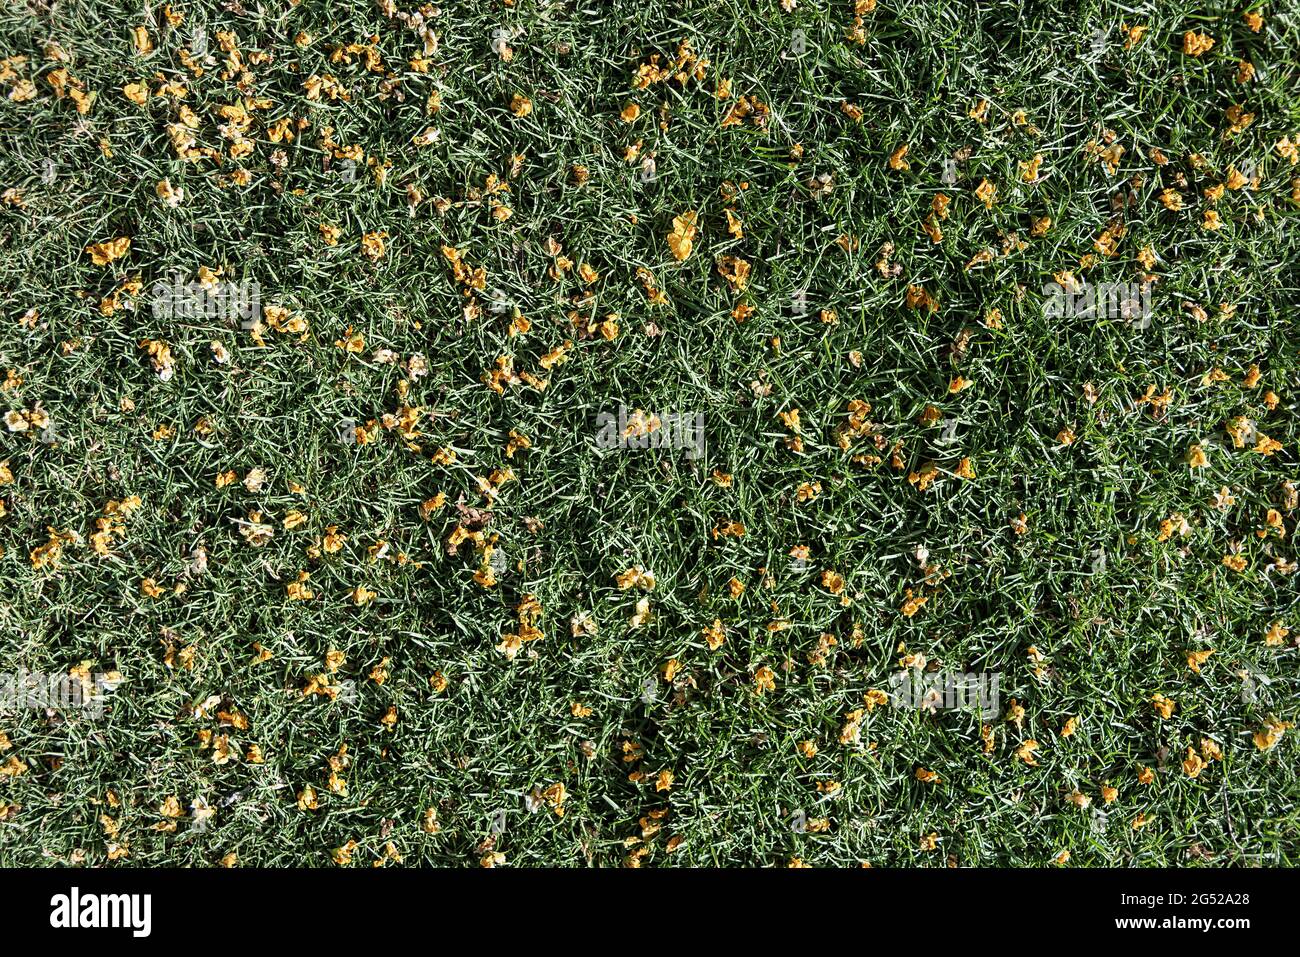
{"points": [[1113, 609]]}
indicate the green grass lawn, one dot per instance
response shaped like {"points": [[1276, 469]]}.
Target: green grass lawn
{"points": [[370, 587]]}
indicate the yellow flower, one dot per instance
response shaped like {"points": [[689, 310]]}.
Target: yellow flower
{"points": [[642, 615], [635, 577], [372, 245], [103, 253], [736, 271], [1015, 713], [352, 341], [681, 238], [832, 581], [298, 590], [1194, 44], [808, 491], [851, 732], [912, 604], [1236, 562], [1267, 737]]}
